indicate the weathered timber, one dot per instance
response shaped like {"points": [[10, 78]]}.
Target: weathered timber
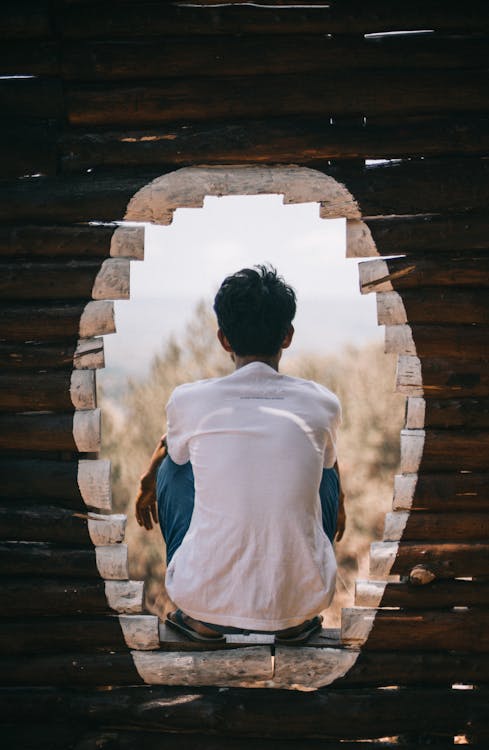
{"points": [[344, 94], [31, 97], [47, 559], [60, 242], [45, 523], [55, 596], [243, 667], [78, 199], [468, 449], [447, 491], [440, 450], [277, 140], [449, 527], [28, 148], [32, 281], [78, 633], [445, 559], [56, 321], [382, 189], [444, 270], [360, 713], [466, 342], [31, 737], [154, 19], [436, 595], [434, 377], [26, 21], [428, 234], [385, 630], [239, 55], [87, 354], [58, 390], [469, 413], [38, 480], [71, 669], [404, 187], [78, 431], [433, 305]]}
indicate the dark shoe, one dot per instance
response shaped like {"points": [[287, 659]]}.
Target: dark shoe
{"points": [[181, 626], [298, 637]]}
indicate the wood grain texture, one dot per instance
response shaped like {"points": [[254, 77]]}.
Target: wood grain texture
{"points": [[440, 594]]}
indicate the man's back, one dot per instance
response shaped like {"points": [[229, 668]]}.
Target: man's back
{"points": [[255, 555]]}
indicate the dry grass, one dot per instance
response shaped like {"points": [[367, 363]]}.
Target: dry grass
{"points": [[368, 447]]}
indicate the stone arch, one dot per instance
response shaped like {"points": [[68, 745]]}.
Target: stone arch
{"points": [[156, 203]]}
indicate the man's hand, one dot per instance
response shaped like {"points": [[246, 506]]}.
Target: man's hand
{"points": [[146, 511], [341, 522]]}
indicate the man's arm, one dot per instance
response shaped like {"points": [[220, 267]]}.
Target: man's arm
{"points": [[341, 523], [146, 497]]}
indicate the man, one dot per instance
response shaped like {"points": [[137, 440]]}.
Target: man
{"points": [[249, 496]]}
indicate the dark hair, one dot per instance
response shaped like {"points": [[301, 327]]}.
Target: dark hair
{"points": [[254, 309]]}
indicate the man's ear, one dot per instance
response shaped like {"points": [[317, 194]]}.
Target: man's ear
{"points": [[223, 341], [288, 337]]}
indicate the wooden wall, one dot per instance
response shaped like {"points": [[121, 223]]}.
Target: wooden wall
{"points": [[97, 100]]}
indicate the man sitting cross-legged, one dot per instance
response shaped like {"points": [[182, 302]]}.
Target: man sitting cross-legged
{"points": [[249, 497]]}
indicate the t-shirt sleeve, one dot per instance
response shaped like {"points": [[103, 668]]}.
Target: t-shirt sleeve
{"points": [[331, 438], [177, 436]]}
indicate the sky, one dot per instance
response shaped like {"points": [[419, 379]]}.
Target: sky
{"points": [[186, 261]]}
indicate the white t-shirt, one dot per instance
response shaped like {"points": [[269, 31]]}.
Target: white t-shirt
{"points": [[255, 555]]}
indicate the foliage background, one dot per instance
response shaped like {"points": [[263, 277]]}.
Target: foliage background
{"points": [[368, 448]]}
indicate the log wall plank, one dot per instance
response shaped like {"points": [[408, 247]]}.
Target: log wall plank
{"points": [[357, 713], [151, 19], [446, 560], [343, 94], [440, 594], [278, 140], [444, 491], [46, 559], [464, 341]]}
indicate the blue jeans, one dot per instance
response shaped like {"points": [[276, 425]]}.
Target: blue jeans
{"points": [[175, 492]]}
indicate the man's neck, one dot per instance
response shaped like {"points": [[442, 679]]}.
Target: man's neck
{"points": [[243, 361]]}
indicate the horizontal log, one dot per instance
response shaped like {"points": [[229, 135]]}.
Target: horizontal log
{"points": [[68, 484], [71, 669], [243, 667], [79, 634], [470, 413], [83, 198], [394, 235], [448, 491], [78, 431], [167, 20], [446, 560], [445, 270], [45, 523], [56, 322], [344, 94], [434, 450], [75, 279], [433, 305], [239, 55], [467, 342], [57, 390], [26, 20], [406, 187], [359, 713], [30, 97], [416, 631], [436, 595], [29, 147], [59, 241], [24, 599], [88, 354], [434, 377], [45, 559], [450, 527], [277, 140]]}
